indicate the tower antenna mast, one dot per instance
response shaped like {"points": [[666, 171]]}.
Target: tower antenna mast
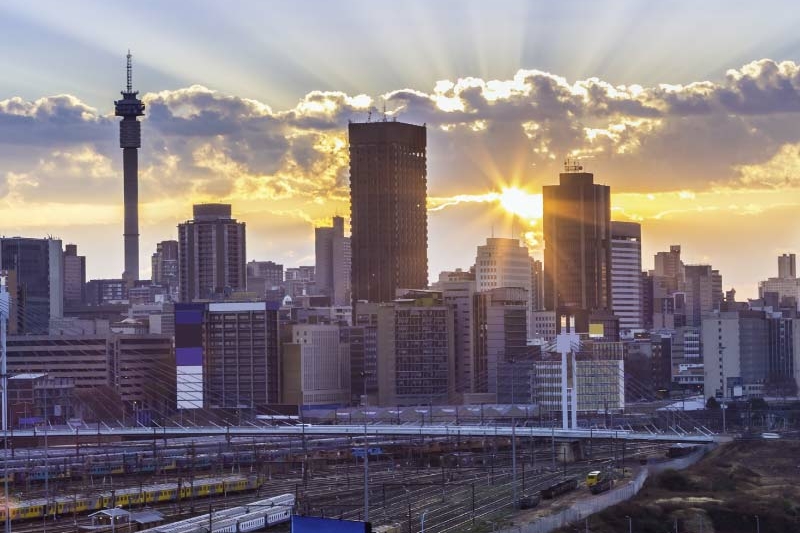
{"points": [[130, 108], [130, 73]]}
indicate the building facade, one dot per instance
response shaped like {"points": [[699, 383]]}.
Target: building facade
{"points": [[164, 266], [316, 367], [626, 275], [106, 291], [333, 262], [500, 335], [74, 277], [227, 355], [504, 263], [702, 287], [735, 353], [388, 203], [264, 277], [416, 356], [212, 255], [600, 385], [787, 266], [460, 296], [577, 242], [38, 266]]}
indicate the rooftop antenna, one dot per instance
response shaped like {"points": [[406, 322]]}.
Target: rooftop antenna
{"points": [[571, 164], [130, 72], [384, 109]]}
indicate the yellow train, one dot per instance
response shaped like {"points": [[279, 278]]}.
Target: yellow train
{"points": [[163, 492]]}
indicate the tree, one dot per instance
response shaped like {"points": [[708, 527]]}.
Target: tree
{"points": [[758, 404], [712, 403]]}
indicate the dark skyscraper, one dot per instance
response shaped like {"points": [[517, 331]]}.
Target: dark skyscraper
{"points": [[74, 276], [38, 266], [389, 220], [577, 242], [130, 140]]}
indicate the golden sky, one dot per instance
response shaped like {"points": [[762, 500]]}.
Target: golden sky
{"points": [[711, 165]]}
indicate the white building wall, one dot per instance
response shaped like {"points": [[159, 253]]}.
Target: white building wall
{"points": [[504, 263], [325, 364], [626, 283], [721, 353]]}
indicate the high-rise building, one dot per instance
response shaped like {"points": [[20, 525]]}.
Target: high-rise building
{"points": [[687, 358], [263, 276], [74, 276], [416, 359], [164, 265], [702, 287], [735, 354], [333, 262], [363, 340], [106, 291], [626, 275], [211, 257], [667, 306], [300, 281], [500, 337], [537, 285], [39, 269], [577, 242], [668, 264], [504, 262], [227, 355], [787, 266], [389, 220], [786, 287], [130, 108], [460, 296]]}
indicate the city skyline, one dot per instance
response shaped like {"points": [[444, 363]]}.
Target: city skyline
{"points": [[708, 161]]}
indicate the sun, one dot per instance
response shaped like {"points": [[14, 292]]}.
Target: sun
{"points": [[521, 203]]}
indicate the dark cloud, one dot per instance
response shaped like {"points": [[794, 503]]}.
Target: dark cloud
{"points": [[51, 121]]}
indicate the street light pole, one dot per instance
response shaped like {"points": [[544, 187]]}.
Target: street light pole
{"points": [[513, 441], [366, 453], [4, 309], [758, 525], [422, 522], [630, 524]]}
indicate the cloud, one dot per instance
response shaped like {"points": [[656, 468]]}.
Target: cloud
{"points": [[679, 143], [61, 119], [782, 170]]}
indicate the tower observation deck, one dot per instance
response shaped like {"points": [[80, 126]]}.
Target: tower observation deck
{"points": [[130, 140]]}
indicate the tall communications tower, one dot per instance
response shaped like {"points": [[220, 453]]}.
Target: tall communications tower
{"points": [[130, 140]]}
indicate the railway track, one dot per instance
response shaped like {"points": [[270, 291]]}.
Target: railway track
{"points": [[454, 498]]}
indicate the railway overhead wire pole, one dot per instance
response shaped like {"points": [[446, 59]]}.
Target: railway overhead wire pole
{"points": [[4, 310]]}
